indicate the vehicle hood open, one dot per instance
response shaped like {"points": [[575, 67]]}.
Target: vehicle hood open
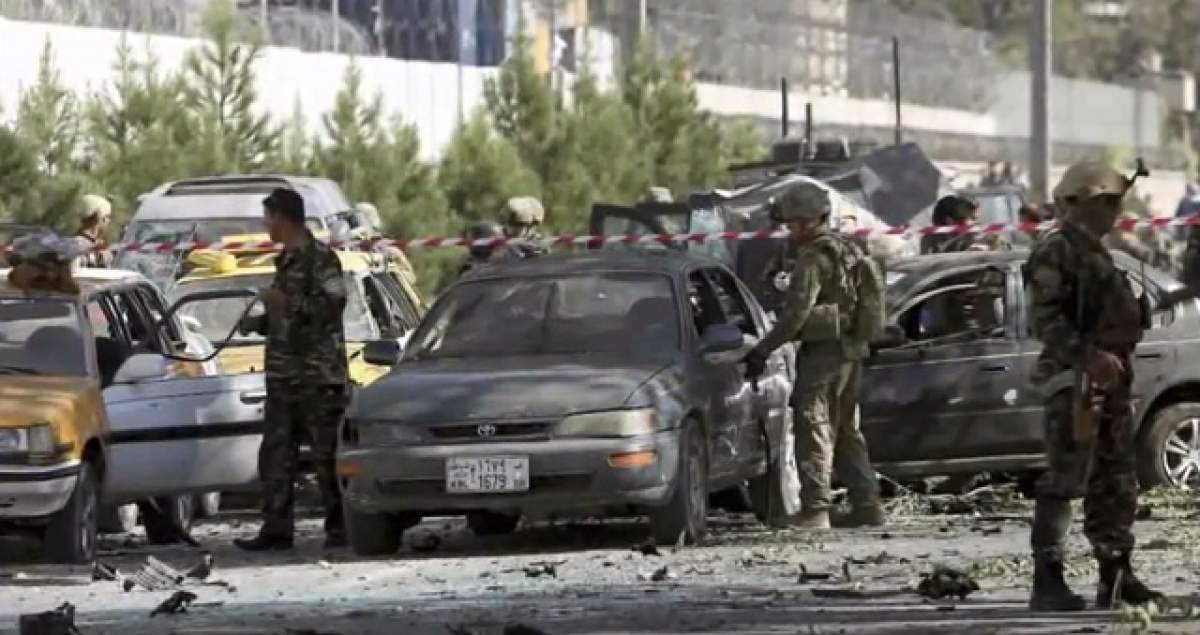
{"points": [[455, 390]]}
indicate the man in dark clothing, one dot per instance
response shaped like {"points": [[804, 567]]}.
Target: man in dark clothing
{"points": [[951, 210], [306, 368]]}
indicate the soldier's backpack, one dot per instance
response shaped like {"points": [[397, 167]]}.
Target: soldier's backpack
{"points": [[866, 277]]}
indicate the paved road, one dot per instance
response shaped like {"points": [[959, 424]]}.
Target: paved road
{"points": [[746, 580]]}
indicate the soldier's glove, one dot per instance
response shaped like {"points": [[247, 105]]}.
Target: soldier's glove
{"points": [[756, 364]]}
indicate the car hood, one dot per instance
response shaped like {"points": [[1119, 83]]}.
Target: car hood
{"points": [[537, 387], [67, 403], [236, 360]]}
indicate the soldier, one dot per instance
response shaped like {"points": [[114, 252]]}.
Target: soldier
{"points": [[822, 291], [95, 215], [1084, 311], [307, 381], [481, 254], [523, 217], [951, 210]]}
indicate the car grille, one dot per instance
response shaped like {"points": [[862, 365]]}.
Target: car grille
{"points": [[488, 431], [545, 484]]}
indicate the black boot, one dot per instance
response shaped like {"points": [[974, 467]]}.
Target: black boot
{"points": [[1050, 590], [1131, 591], [263, 542]]}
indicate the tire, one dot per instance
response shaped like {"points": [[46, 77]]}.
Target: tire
{"points": [[376, 534], [172, 518], [118, 519], [492, 523], [769, 492], [1169, 452], [687, 511], [207, 505], [71, 536]]}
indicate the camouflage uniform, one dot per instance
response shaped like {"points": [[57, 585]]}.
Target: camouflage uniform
{"points": [[1080, 303], [825, 396], [307, 383], [89, 238], [523, 216]]}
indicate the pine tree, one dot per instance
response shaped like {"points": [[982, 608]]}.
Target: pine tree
{"points": [[19, 175], [295, 152], [356, 150], [220, 90], [611, 154], [48, 117], [742, 141], [480, 170]]}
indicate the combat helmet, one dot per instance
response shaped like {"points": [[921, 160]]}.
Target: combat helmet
{"points": [[483, 230], [94, 205], [1089, 179], [803, 201], [523, 210]]}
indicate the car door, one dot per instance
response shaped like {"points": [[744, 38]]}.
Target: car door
{"points": [[179, 433], [949, 394], [729, 400]]}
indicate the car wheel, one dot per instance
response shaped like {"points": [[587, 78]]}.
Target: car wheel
{"points": [[168, 519], [376, 534], [118, 519], [770, 491], [1170, 449], [207, 505], [687, 511], [492, 523], [71, 535]]}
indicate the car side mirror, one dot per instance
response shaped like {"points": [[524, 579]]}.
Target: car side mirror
{"points": [[142, 368], [893, 336], [382, 352], [721, 338]]}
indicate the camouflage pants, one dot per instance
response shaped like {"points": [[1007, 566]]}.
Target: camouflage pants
{"points": [[825, 408], [293, 414], [1103, 472]]}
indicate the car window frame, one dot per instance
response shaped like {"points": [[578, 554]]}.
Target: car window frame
{"points": [[154, 306], [386, 323], [723, 281], [707, 296], [931, 288], [393, 286], [154, 338]]}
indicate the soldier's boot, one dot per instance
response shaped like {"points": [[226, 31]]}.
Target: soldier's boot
{"points": [[810, 519], [1119, 571], [870, 514], [1050, 590]]}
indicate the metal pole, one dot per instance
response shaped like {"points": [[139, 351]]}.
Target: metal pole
{"points": [[784, 117], [265, 19], [1039, 111], [896, 88], [337, 32], [808, 130], [641, 17], [459, 61]]}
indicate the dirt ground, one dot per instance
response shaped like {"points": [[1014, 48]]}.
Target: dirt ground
{"points": [[584, 577]]}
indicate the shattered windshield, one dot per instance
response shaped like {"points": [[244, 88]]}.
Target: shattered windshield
{"points": [[630, 314], [40, 336], [216, 318]]}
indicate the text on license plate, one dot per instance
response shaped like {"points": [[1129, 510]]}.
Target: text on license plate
{"points": [[487, 474]]}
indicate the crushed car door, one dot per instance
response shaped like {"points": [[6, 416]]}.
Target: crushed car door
{"points": [[180, 433], [950, 392]]}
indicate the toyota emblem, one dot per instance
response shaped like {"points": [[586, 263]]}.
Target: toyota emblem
{"points": [[486, 430]]}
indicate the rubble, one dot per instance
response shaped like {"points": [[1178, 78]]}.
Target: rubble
{"points": [[944, 582], [425, 542], [539, 569], [648, 548], [202, 570], [60, 621], [661, 575], [102, 572], [155, 575], [177, 603]]}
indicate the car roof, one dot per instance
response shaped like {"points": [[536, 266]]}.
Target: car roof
{"points": [[664, 261], [237, 196], [89, 280], [922, 266]]}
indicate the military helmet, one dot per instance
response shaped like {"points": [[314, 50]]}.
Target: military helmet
{"points": [[524, 210], [659, 194], [1089, 179], [803, 201], [483, 230], [94, 205]]}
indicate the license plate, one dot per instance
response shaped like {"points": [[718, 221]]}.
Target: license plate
{"points": [[487, 474]]}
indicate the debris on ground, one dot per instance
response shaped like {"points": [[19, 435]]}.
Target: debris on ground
{"points": [[102, 572], [203, 570], [324, 564], [425, 541], [806, 576], [883, 557], [521, 629], [759, 559], [662, 574], [60, 621], [648, 548], [155, 575], [946, 582], [539, 569], [1159, 544], [459, 630], [177, 603], [843, 593]]}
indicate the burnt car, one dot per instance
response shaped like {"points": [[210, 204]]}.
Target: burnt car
{"points": [[603, 382], [950, 392]]}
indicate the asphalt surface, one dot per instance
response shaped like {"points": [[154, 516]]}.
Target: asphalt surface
{"points": [[584, 577]]}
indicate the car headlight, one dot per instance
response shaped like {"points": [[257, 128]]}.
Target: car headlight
{"points": [[610, 423], [36, 440], [387, 433]]}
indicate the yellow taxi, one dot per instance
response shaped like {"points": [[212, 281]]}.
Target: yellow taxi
{"points": [[383, 302], [96, 409]]}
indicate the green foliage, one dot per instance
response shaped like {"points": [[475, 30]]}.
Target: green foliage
{"points": [[611, 153], [48, 117], [480, 170]]}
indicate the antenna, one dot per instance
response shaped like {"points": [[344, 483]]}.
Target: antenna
{"points": [[784, 116], [808, 130], [896, 88]]}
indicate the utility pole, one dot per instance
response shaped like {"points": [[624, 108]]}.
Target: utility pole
{"points": [[642, 17], [1041, 57], [265, 19], [337, 31]]}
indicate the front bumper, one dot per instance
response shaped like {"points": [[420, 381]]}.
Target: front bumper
{"points": [[564, 474], [31, 492]]}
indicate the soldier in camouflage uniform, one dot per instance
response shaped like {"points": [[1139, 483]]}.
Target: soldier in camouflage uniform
{"points": [[523, 217], [306, 368], [1084, 311], [95, 215], [825, 396]]}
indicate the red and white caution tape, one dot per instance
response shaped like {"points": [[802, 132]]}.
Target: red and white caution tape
{"points": [[563, 240]]}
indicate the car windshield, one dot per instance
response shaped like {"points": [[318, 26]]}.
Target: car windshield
{"points": [[628, 314], [205, 230], [993, 209], [216, 318], [41, 336]]}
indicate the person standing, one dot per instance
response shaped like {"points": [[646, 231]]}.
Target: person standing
{"points": [[950, 211], [1085, 313], [820, 309], [523, 217], [306, 368], [95, 216]]}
